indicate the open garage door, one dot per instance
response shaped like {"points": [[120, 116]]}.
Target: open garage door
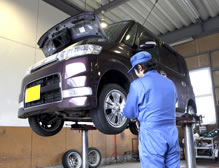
{"points": [[202, 85]]}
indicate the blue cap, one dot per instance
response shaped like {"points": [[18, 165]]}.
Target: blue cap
{"points": [[138, 58]]}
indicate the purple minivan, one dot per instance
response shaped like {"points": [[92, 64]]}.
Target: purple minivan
{"points": [[84, 77]]}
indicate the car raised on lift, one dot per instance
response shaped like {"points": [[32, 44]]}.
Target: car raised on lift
{"points": [[84, 76]]}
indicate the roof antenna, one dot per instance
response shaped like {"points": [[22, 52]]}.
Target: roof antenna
{"points": [[150, 12]]}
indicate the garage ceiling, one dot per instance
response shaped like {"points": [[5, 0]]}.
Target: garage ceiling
{"points": [[172, 20]]}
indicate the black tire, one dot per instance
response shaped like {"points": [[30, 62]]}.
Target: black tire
{"points": [[72, 159], [94, 157], [100, 116], [133, 128], [46, 124]]}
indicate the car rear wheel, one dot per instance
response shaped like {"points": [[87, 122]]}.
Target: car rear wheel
{"points": [[191, 111], [108, 117], [46, 124], [133, 128], [72, 159]]}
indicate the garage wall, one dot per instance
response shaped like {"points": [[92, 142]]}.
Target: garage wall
{"points": [[20, 147], [22, 23], [204, 52]]}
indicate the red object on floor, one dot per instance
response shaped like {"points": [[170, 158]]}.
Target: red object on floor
{"points": [[115, 144]]}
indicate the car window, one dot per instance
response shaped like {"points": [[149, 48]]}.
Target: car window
{"points": [[113, 32], [169, 59], [130, 36], [142, 29], [183, 67], [155, 52]]}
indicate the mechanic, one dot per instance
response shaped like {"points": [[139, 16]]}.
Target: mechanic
{"points": [[152, 99]]}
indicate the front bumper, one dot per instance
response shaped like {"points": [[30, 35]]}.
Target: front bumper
{"points": [[66, 86]]}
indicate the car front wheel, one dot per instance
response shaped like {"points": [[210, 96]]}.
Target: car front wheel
{"points": [[46, 124], [108, 117]]}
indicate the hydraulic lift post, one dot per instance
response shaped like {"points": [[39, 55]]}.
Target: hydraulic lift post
{"points": [[189, 143], [187, 122], [84, 149], [84, 129]]}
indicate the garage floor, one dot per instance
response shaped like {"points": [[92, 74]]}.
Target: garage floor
{"points": [[200, 164]]}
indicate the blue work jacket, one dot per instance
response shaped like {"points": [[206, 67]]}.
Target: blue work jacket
{"points": [[151, 98]]}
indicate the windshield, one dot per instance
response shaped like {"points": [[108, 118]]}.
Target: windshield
{"points": [[113, 32]]}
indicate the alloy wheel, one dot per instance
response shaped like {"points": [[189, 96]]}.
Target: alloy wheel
{"points": [[113, 107]]}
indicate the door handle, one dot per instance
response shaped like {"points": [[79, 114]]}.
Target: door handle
{"points": [[163, 73], [183, 84]]}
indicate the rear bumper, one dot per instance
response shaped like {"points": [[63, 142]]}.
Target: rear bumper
{"points": [[74, 90]]}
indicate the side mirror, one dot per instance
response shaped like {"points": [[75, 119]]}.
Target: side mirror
{"points": [[146, 41], [147, 44]]}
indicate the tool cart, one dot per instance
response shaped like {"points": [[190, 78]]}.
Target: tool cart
{"points": [[207, 147]]}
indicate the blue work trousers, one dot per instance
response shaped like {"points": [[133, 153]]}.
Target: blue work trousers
{"points": [[159, 146]]}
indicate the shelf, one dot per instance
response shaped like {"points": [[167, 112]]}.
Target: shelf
{"points": [[206, 157], [205, 138], [208, 141], [210, 147], [202, 138]]}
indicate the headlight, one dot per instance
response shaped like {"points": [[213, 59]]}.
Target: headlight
{"points": [[41, 63], [79, 51], [45, 61], [67, 54]]}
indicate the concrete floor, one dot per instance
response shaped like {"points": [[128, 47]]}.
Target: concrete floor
{"points": [[200, 164]]}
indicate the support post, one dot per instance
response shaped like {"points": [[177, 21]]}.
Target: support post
{"points": [[84, 148], [189, 143], [115, 145]]}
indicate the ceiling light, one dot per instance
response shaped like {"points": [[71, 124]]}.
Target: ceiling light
{"points": [[103, 23]]}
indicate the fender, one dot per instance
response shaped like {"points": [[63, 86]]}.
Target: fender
{"points": [[117, 65]]}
